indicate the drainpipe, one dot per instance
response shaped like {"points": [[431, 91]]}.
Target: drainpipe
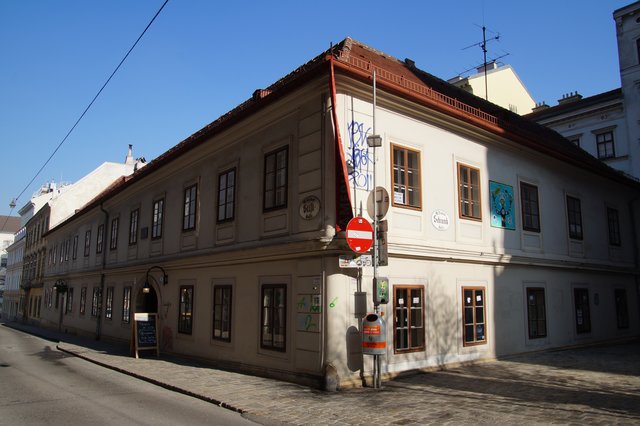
{"points": [[102, 274], [636, 251]]}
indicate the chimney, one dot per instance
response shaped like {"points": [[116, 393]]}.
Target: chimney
{"points": [[540, 106], [490, 66], [129, 158], [569, 97]]}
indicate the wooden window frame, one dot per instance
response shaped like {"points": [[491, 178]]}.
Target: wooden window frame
{"points": [[157, 218], [528, 206], [226, 195], [536, 312], [406, 173], [185, 310], [579, 304], [69, 301], [74, 250], [95, 302], [190, 208], [605, 145], [272, 312], [409, 316], [218, 324], [468, 170], [87, 243], [134, 218], [270, 178], [613, 224], [108, 304], [574, 218], [113, 237], [475, 341], [622, 308], [126, 305], [100, 239], [83, 300]]}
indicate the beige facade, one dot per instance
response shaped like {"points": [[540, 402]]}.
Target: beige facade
{"points": [[246, 218]]}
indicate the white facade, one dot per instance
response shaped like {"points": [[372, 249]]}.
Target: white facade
{"points": [[246, 218], [503, 85], [15, 252]]}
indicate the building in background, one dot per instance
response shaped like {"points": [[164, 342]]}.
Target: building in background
{"points": [[59, 204], [503, 85], [9, 225], [606, 125], [501, 236]]}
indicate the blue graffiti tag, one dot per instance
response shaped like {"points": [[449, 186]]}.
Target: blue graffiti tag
{"points": [[358, 155]]}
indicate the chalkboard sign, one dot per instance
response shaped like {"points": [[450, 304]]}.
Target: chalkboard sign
{"points": [[145, 332]]}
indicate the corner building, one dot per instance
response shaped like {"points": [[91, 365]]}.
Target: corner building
{"points": [[503, 237]]}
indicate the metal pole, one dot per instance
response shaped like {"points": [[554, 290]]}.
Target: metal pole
{"points": [[376, 358]]}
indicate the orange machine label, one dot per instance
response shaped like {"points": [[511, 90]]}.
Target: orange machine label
{"points": [[371, 329]]}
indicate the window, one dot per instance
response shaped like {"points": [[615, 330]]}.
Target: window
{"points": [[87, 243], [604, 142], [406, 177], [222, 312], [536, 312], [65, 246], [114, 234], [274, 313], [574, 140], [583, 313], [226, 195], [469, 192], [622, 310], [189, 212], [473, 316], [100, 239], [133, 227], [96, 302], [638, 49], [574, 212], [126, 305], [408, 325], [108, 306], [614, 226], [75, 248], [69, 304], [185, 316], [156, 220], [83, 300], [530, 207], [275, 179]]}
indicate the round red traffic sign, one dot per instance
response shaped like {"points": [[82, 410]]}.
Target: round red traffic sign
{"points": [[359, 234]]}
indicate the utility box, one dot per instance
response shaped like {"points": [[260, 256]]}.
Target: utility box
{"points": [[374, 335]]}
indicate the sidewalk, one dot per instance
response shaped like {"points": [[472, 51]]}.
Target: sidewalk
{"points": [[594, 385]]}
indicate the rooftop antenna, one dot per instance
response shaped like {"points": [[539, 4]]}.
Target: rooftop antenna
{"points": [[483, 46]]}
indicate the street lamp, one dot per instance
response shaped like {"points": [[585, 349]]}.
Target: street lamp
{"points": [[164, 280]]}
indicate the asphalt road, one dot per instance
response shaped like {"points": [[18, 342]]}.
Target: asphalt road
{"points": [[41, 385]]}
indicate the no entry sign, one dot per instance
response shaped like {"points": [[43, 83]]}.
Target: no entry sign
{"points": [[359, 234]]}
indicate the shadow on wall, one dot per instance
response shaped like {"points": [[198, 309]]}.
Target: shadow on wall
{"points": [[443, 318]]}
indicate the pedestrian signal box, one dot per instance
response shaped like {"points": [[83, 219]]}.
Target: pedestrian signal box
{"points": [[374, 335], [380, 291]]}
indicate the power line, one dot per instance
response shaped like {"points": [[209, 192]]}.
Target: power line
{"points": [[83, 113]]}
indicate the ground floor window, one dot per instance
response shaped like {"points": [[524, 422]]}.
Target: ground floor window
{"points": [[108, 307], [408, 324], [83, 300], [95, 302], [222, 312], [126, 305], [274, 314], [583, 313], [536, 313], [185, 316], [473, 316], [69, 306], [622, 311]]}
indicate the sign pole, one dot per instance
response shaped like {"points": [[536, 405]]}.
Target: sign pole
{"points": [[376, 358]]}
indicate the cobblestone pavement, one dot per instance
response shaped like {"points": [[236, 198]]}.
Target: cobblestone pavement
{"points": [[590, 385]]}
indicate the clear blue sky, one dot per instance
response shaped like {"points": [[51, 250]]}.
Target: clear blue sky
{"points": [[202, 58]]}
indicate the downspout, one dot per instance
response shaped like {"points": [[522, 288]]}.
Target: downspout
{"points": [[102, 274], [339, 147], [636, 251]]}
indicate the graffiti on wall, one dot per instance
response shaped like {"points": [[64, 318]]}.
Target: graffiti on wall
{"points": [[359, 156]]}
